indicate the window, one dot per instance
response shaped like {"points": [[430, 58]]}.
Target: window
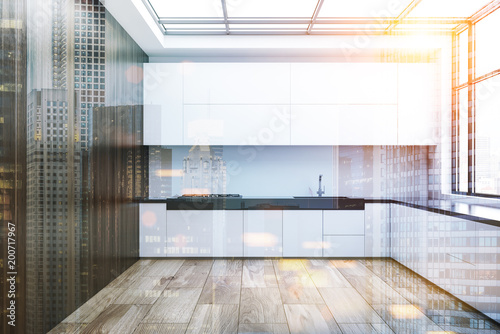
{"points": [[487, 136], [488, 51], [476, 91]]}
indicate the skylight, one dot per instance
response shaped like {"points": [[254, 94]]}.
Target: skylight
{"points": [[301, 17]]}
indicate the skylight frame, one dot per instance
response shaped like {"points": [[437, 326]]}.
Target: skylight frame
{"points": [[242, 25]]}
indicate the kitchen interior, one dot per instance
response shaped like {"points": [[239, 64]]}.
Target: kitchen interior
{"points": [[239, 166]]}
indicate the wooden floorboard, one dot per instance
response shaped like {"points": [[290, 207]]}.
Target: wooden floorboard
{"points": [[258, 274], [214, 318], [190, 277], [221, 290], [175, 305], [272, 296], [310, 319], [261, 306]]}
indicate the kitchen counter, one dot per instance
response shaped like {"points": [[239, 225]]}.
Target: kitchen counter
{"points": [[243, 203]]}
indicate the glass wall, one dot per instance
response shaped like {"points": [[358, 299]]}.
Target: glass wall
{"points": [[71, 157], [12, 165], [477, 106]]}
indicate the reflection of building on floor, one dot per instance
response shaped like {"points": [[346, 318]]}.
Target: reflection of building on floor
{"points": [[204, 171]]}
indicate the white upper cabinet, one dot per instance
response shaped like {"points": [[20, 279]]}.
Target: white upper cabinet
{"points": [[314, 124], [343, 83], [163, 105], [237, 125], [252, 125], [344, 125], [368, 125], [418, 108], [291, 104], [237, 83]]}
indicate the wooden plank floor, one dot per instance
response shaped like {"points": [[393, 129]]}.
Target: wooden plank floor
{"points": [[273, 296]]}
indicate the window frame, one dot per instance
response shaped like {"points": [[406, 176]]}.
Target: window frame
{"points": [[470, 85]]}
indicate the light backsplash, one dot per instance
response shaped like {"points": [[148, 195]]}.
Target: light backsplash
{"points": [[274, 171]]}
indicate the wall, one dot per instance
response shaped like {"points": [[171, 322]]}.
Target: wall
{"points": [[458, 255], [13, 160], [84, 129]]}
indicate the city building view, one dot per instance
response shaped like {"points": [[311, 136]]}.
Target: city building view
{"points": [[249, 166]]}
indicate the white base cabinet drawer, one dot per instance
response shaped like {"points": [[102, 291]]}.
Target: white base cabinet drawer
{"points": [[344, 246], [344, 222], [302, 233]]}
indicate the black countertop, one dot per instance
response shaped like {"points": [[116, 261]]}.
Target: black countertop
{"points": [[478, 212], [242, 203]]}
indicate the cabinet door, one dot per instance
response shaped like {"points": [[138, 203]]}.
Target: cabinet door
{"points": [[163, 93], [152, 230], [302, 233], [263, 233], [343, 83], [418, 105], [189, 233], [343, 222], [344, 246], [228, 233]]}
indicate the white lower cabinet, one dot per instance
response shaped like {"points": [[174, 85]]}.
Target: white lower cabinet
{"points": [[152, 230], [228, 233], [344, 233], [344, 222], [204, 233], [250, 233], [302, 233], [263, 233], [344, 246]]}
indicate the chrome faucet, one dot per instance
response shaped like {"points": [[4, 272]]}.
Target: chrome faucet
{"points": [[320, 191]]}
